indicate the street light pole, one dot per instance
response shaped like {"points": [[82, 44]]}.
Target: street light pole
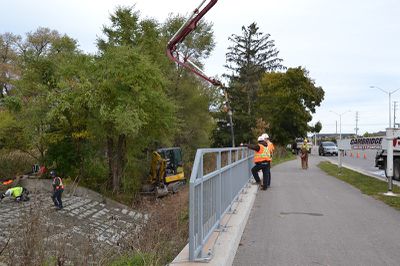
{"points": [[390, 102], [340, 137], [340, 122]]}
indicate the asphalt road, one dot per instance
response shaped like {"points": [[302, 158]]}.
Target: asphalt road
{"points": [[309, 218]]}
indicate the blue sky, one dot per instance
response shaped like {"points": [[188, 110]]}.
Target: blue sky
{"points": [[346, 45]]}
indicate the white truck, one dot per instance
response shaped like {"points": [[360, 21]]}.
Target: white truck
{"points": [[381, 156], [380, 145]]}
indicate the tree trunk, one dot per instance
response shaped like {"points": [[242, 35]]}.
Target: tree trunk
{"points": [[116, 160], [120, 162], [110, 157]]}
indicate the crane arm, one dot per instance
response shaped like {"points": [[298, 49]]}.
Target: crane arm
{"points": [[189, 26]]}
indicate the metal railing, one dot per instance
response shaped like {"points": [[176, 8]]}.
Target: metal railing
{"points": [[218, 177]]}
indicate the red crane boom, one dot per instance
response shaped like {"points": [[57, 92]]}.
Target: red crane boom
{"points": [[189, 26]]}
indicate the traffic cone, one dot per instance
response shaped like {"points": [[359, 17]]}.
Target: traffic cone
{"points": [[365, 156], [358, 155]]}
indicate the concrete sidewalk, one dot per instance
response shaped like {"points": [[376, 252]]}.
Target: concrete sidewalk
{"points": [[310, 218]]}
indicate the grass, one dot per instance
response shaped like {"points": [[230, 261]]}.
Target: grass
{"points": [[282, 159], [366, 184]]}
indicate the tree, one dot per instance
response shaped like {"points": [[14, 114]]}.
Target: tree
{"points": [[128, 102], [251, 55], [286, 102], [124, 29], [189, 97], [50, 69], [317, 127], [8, 62]]}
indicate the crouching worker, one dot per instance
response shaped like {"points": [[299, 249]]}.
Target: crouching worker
{"points": [[58, 189], [262, 158], [18, 193]]}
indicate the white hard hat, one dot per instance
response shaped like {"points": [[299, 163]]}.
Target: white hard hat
{"points": [[260, 138], [265, 136]]}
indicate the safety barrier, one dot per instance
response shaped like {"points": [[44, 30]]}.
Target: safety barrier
{"points": [[218, 177], [357, 154]]}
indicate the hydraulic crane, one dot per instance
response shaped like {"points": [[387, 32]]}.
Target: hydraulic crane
{"points": [[173, 53]]}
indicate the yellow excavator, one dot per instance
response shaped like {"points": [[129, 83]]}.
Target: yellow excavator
{"points": [[166, 172]]}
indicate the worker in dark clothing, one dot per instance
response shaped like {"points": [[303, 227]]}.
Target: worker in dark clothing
{"points": [[271, 149], [58, 189], [262, 160]]}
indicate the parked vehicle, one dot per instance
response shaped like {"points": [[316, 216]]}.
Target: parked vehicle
{"points": [[327, 148], [381, 157]]}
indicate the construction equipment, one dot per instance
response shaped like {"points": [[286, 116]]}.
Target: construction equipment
{"points": [[166, 172], [174, 54], [189, 26]]}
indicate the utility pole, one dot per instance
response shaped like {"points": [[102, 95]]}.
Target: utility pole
{"points": [[356, 124], [336, 128], [394, 113]]}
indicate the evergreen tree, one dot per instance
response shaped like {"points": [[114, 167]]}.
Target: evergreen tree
{"points": [[251, 55]]}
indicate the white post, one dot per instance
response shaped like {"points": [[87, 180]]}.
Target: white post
{"points": [[389, 161], [340, 140], [390, 111]]}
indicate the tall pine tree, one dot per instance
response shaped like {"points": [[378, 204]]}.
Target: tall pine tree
{"points": [[250, 56]]}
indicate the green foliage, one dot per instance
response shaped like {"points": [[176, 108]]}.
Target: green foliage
{"points": [[124, 29], [14, 163], [286, 101], [95, 173], [316, 128], [129, 98], [137, 259], [81, 114]]}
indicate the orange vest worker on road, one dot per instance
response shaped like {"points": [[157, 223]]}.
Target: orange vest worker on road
{"points": [[304, 155]]}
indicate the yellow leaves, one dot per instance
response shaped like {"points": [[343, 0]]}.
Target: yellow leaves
{"points": [[80, 135]]}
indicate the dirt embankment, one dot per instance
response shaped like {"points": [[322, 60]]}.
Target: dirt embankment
{"points": [[90, 230]]}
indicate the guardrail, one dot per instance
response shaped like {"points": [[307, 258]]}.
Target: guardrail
{"points": [[218, 177]]}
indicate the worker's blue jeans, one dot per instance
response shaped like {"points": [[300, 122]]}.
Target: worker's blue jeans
{"points": [[264, 167], [57, 198]]}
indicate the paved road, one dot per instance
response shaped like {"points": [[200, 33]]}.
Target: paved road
{"points": [[310, 218]]}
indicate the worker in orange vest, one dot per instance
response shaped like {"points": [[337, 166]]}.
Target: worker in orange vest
{"points": [[304, 155], [262, 159], [271, 149], [58, 189]]}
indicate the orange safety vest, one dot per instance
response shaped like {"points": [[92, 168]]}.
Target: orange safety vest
{"points": [[262, 155], [60, 186], [271, 149]]}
